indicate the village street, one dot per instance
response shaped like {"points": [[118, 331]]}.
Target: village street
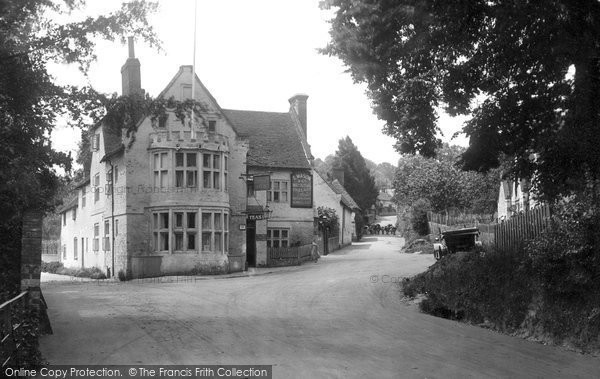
{"points": [[341, 317]]}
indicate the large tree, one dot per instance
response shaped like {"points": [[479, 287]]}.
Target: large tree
{"points": [[443, 185], [527, 71], [30, 102], [358, 180]]}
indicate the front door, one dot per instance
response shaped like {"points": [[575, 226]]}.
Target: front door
{"points": [[251, 243]]}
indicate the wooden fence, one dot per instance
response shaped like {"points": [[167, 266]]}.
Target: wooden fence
{"points": [[287, 256], [511, 234], [507, 237], [466, 219], [11, 321]]}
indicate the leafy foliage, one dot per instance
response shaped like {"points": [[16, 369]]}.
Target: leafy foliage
{"points": [[358, 181], [444, 184], [328, 219], [528, 73], [565, 258], [418, 216], [30, 101]]}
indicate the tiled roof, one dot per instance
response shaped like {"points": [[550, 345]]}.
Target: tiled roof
{"points": [[347, 200], [71, 203], [274, 140]]}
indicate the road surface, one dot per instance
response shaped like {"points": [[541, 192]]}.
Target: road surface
{"points": [[339, 318]]}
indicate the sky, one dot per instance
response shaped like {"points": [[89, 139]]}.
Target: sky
{"points": [[251, 55]]}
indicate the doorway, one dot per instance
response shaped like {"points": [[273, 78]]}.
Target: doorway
{"points": [[251, 243]]}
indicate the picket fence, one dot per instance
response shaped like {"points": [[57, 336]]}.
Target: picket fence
{"points": [[285, 256], [510, 235]]}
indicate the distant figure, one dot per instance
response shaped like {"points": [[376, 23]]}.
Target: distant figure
{"points": [[314, 252]]}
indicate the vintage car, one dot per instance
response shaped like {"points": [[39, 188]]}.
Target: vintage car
{"points": [[451, 241]]}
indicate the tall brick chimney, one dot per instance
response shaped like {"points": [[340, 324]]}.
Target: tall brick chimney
{"points": [[298, 104], [130, 73]]}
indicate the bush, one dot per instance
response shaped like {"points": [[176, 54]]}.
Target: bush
{"points": [[475, 288], [418, 217], [123, 276], [51, 267]]}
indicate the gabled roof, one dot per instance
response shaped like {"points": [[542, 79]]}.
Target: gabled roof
{"points": [[274, 141], [202, 87], [347, 200]]}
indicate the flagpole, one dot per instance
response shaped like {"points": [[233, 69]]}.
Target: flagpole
{"points": [[193, 133]]}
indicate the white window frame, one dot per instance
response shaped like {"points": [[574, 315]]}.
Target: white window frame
{"points": [[96, 241], [277, 193]]}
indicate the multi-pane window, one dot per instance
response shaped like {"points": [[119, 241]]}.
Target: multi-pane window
{"points": [[186, 170], [185, 230], [191, 231], [161, 170], [75, 248], [96, 246], [160, 225], [277, 237], [215, 231], [106, 236], [116, 174], [278, 192], [211, 164], [96, 187]]}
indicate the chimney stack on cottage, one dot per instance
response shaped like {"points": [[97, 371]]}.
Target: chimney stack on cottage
{"points": [[298, 104], [130, 73]]}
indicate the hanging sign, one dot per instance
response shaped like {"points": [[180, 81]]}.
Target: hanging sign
{"points": [[262, 182]]}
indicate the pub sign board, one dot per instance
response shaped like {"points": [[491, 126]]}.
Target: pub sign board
{"points": [[301, 190], [262, 182]]}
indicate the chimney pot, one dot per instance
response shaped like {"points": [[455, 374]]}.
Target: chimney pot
{"points": [[131, 48], [298, 105]]}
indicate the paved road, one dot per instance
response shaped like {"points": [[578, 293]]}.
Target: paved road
{"points": [[339, 318]]}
